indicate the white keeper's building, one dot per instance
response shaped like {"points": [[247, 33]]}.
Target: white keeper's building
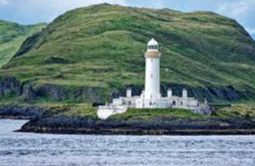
{"points": [[151, 96]]}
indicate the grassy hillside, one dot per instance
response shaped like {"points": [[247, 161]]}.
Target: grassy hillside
{"points": [[91, 53], [12, 35]]}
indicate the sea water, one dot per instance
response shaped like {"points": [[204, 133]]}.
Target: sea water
{"points": [[21, 149]]}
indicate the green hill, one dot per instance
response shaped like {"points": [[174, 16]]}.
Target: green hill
{"points": [[12, 35], [93, 53]]}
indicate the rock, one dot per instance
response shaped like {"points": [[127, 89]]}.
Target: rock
{"points": [[155, 126], [28, 95], [22, 112], [10, 86], [28, 44], [56, 60]]}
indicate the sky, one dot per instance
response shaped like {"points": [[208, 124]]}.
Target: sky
{"points": [[34, 11]]}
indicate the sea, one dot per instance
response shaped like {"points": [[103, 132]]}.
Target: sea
{"points": [[31, 149]]}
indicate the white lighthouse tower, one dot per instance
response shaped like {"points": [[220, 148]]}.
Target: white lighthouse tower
{"points": [[152, 73]]}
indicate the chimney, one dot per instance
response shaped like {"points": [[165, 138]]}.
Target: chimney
{"points": [[129, 92], [169, 92], [184, 93]]}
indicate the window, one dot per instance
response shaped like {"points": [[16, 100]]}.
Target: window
{"points": [[153, 47], [181, 103], [174, 102]]}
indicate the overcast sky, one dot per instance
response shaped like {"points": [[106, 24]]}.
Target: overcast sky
{"points": [[34, 11]]}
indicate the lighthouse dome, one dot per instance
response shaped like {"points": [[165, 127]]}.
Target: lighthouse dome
{"points": [[152, 42], [152, 45]]}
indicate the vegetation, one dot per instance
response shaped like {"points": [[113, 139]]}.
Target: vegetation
{"points": [[101, 47], [85, 110], [12, 35], [147, 114], [246, 111]]}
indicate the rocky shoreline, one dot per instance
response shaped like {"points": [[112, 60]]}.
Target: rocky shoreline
{"points": [[139, 131], [127, 131], [43, 121]]}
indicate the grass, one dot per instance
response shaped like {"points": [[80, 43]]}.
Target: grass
{"points": [[12, 35], [235, 111], [67, 108], [82, 110], [147, 114], [246, 110]]}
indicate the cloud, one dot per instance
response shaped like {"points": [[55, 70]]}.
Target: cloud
{"points": [[71, 4], [234, 9], [60, 6], [251, 30], [3, 2], [33, 11], [148, 3], [237, 8], [241, 10]]}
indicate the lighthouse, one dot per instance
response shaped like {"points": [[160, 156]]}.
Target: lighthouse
{"points": [[151, 97], [152, 73]]}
